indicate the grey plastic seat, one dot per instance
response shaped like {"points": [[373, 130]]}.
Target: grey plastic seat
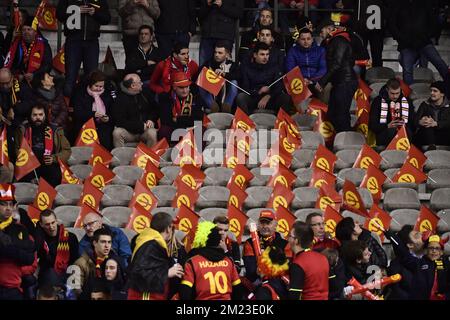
{"points": [[444, 222], [401, 217], [379, 74], [116, 195], [366, 197], [68, 194], [220, 120], [305, 121], [304, 176], [79, 155], [420, 90], [356, 217], [122, 156], [376, 88], [447, 245], [215, 137], [345, 158], [437, 159], [311, 140], [392, 159], [438, 178], [390, 173], [423, 75], [301, 214], [166, 158], [67, 215], [209, 214], [127, 175], [255, 158], [401, 198], [263, 120], [355, 175], [116, 216], [348, 140], [213, 157], [304, 197], [302, 158], [129, 233], [78, 232], [164, 194], [257, 197], [170, 174], [218, 176], [264, 139], [81, 171], [253, 214], [213, 196], [261, 176], [440, 199], [25, 192], [172, 211]]}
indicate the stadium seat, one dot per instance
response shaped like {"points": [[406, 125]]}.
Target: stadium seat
{"points": [[170, 174], [356, 217], [122, 156], [25, 192], [255, 158], [401, 217], [79, 155], [261, 176], [301, 214], [264, 139], [213, 157], [214, 137], [116, 195], [392, 159], [437, 159], [257, 197], [172, 211], [218, 176], [78, 232], [311, 140], [420, 90], [129, 233], [67, 215], [355, 175], [116, 216], [379, 74], [444, 222], [210, 213], [401, 198], [68, 194], [438, 178], [127, 175], [305, 197], [346, 159], [253, 214], [348, 140], [302, 158], [81, 171], [164, 194], [388, 184], [305, 121], [440, 199], [447, 245], [213, 196], [263, 120], [423, 75], [304, 176], [220, 120], [366, 197], [166, 158], [376, 89]]}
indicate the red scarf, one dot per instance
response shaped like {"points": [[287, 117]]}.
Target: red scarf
{"points": [[98, 264], [183, 107], [62, 251], [48, 144], [339, 33], [32, 56]]}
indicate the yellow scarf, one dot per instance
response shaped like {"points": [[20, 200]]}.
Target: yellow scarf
{"points": [[148, 235], [5, 224]]}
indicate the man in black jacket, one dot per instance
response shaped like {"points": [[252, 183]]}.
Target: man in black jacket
{"points": [[134, 113], [340, 73], [82, 35], [218, 19], [176, 23]]}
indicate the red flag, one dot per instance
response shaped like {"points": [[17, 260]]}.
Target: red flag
{"points": [[416, 158], [109, 59], [205, 121], [188, 155], [285, 220], [142, 155], [288, 141], [378, 218], [210, 81], [406, 90], [47, 18], [352, 199], [45, 195], [241, 140], [59, 61], [191, 176], [325, 128], [296, 86], [188, 221], [84, 211], [331, 218], [160, 147], [328, 196], [242, 121], [39, 12], [4, 157], [283, 176], [187, 139], [320, 177], [400, 141], [285, 120], [362, 123], [100, 154], [66, 174], [409, 174], [364, 88], [151, 175], [143, 197], [234, 157], [373, 181], [185, 196], [88, 134], [427, 220], [237, 197], [324, 159], [139, 219], [91, 196], [281, 196], [237, 222], [241, 177], [100, 176], [277, 155], [34, 213], [316, 107], [366, 157], [26, 161]]}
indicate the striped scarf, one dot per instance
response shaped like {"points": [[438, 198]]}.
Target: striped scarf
{"points": [[397, 110], [62, 251]]}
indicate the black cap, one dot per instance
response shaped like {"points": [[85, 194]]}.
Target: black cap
{"points": [[325, 23], [440, 85], [28, 21]]}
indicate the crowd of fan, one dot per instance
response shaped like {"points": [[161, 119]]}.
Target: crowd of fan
{"points": [[157, 95]]}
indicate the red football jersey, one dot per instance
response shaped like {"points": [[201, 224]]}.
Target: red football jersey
{"points": [[213, 280]]}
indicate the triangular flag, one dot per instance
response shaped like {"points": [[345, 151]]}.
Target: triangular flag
{"points": [[191, 176], [367, 156], [151, 175], [142, 155], [100, 154], [88, 134], [160, 147], [242, 121], [277, 155], [362, 126], [34, 213], [241, 177], [187, 222], [296, 86], [26, 161], [378, 221], [406, 90], [237, 197], [4, 157], [283, 176], [39, 12], [331, 218], [188, 155], [288, 141], [352, 200], [328, 196], [409, 174], [45, 195], [324, 159], [427, 220], [47, 18], [242, 140], [139, 219], [67, 174], [373, 181], [281, 196], [320, 177], [316, 107], [285, 220], [84, 211], [233, 157], [59, 61], [416, 157], [237, 222], [400, 141], [205, 121], [185, 195], [91, 196], [100, 176], [325, 128], [210, 81], [285, 120], [143, 197]]}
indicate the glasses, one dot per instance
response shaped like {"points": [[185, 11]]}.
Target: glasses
{"points": [[318, 224], [434, 248], [89, 224]]}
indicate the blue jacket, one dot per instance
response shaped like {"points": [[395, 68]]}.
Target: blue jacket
{"points": [[312, 61], [120, 243]]}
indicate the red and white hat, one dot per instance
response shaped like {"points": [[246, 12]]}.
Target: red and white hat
{"points": [[7, 192]]}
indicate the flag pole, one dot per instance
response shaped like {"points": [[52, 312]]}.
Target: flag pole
{"points": [[35, 174], [235, 85], [277, 80]]}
